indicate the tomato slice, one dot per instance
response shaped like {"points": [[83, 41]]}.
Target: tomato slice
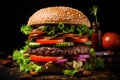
{"points": [[69, 35], [36, 58], [45, 41], [79, 39]]}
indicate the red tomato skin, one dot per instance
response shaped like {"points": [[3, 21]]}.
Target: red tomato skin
{"points": [[111, 41], [79, 39], [36, 58], [44, 41]]}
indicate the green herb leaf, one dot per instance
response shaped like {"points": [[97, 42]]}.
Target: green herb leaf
{"points": [[49, 31], [92, 52], [99, 62], [61, 26], [83, 30], [88, 66], [70, 72]]}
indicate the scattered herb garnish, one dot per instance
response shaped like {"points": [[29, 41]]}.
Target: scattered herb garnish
{"points": [[61, 28]]}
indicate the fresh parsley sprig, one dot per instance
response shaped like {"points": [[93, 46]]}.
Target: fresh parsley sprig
{"points": [[94, 11]]}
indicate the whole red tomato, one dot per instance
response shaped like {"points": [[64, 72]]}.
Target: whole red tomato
{"points": [[111, 41]]}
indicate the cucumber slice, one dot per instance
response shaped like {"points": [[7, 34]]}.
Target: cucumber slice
{"points": [[88, 43], [64, 44], [33, 44]]}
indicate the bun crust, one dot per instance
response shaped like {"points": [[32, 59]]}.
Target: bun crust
{"points": [[56, 14], [55, 69]]}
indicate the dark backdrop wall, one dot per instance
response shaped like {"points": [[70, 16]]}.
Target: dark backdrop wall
{"points": [[15, 13]]}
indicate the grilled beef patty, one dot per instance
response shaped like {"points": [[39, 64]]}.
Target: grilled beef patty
{"points": [[54, 51]]}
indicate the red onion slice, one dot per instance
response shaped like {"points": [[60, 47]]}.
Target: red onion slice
{"points": [[101, 53], [82, 56], [61, 61], [82, 59]]}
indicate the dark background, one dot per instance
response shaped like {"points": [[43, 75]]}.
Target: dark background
{"points": [[15, 13]]}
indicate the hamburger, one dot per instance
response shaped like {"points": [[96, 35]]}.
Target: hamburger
{"points": [[58, 42]]}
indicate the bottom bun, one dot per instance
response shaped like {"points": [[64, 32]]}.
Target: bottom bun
{"points": [[58, 70], [54, 69]]}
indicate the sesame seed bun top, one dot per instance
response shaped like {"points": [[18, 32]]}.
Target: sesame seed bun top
{"points": [[56, 14]]}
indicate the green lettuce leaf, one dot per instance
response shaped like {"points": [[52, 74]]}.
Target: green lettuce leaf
{"points": [[25, 29], [24, 62]]}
